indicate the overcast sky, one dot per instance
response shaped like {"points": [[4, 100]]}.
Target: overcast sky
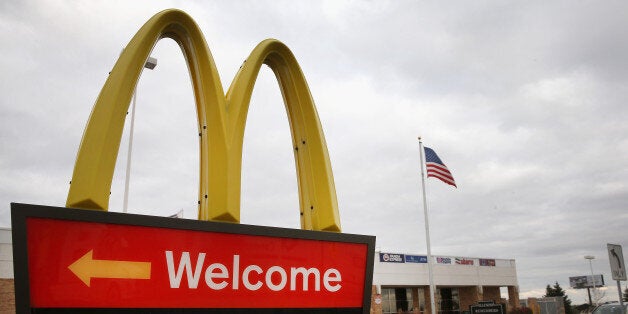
{"points": [[525, 101]]}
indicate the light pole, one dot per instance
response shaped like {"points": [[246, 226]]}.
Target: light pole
{"points": [[150, 64], [591, 258]]}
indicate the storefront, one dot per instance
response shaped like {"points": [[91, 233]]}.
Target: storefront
{"points": [[401, 283]]}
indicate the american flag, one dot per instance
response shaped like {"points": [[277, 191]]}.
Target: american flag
{"points": [[436, 168]]}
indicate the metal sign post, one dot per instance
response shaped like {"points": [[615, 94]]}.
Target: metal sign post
{"points": [[618, 267]]}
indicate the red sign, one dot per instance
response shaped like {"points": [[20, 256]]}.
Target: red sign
{"points": [[74, 263]]}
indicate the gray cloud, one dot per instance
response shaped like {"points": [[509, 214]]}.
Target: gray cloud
{"points": [[523, 101]]}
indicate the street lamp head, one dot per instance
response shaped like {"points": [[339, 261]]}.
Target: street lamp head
{"points": [[151, 63], [589, 257]]}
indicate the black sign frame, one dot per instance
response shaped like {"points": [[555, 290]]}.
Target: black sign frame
{"points": [[486, 307], [20, 212]]}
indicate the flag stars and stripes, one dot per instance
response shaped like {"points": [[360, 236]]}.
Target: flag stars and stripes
{"points": [[436, 168]]}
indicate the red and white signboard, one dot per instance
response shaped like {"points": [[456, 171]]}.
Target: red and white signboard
{"points": [[76, 259]]}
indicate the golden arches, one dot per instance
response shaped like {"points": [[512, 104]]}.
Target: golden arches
{"points": [[221, 122]]}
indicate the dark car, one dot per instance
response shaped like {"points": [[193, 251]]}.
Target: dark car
{"points": [[611, 308]]}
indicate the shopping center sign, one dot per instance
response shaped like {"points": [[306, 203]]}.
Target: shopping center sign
{"points": [[72, 260]]}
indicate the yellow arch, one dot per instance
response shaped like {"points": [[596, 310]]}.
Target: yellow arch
{"points": [[221, 123]]}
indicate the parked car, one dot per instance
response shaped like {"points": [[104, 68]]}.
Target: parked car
{"points": [[611, 308]]}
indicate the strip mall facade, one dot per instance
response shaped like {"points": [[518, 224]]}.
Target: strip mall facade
{"points": [[401, 283]]}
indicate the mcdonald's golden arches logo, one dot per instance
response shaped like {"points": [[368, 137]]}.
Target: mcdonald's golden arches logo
{"points": [[221, 122]]}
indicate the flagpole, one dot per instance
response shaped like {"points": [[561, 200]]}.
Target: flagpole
{"points": [[427, 232]]}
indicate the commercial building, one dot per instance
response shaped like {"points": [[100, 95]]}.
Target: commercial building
{"points": [[401, 283]]}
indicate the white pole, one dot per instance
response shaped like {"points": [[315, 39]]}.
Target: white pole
{"points": [[590, 258], [128, 157], [150, 64], [427, 232]]}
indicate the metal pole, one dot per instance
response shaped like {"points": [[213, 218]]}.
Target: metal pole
{"points": [[128, 156], [590, 258], [150, 64], [593, 280], [427, 233], [621, 300]]}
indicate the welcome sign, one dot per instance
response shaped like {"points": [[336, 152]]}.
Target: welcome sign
{"points": [[70, 260]]}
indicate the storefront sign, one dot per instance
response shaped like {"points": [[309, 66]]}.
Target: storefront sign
{"points": [[416, 259], [391, 258], [71, 260], [401, 258], [463, 261], [443, 260], [487, 262]]}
